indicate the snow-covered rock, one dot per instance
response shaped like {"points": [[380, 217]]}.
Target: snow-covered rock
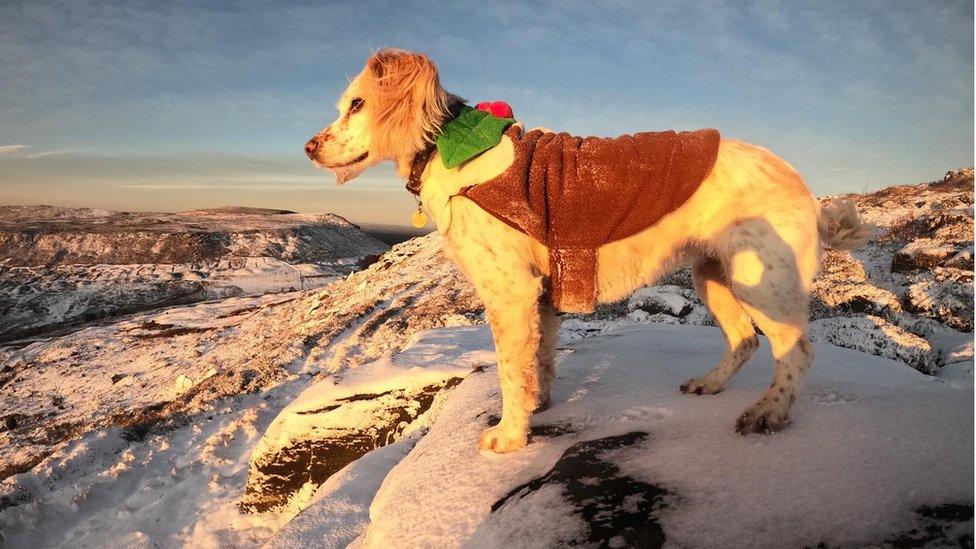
{"points": [[329, 426], [945, 294], [623, 459], [922, 253], [873, 441], [844, 289], [876, 336], [671, 300], [252, 345]]}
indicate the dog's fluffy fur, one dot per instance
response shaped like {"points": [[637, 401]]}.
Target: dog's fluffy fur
{"points": [[752, 234]]}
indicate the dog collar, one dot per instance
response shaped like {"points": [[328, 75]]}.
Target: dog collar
{"points": [[420, 161], [422, 158]]}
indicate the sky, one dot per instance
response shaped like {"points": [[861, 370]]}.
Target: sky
{"points": [[172, 106]]}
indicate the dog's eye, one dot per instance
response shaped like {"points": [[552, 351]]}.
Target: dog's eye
{"points": [[355, 105]]}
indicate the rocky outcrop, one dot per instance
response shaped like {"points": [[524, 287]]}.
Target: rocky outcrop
{"points": [[327, 428], [175, 398], [944, 294], [225, 348]]}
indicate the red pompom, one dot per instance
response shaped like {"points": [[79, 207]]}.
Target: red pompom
{"points": [[501, 109], [498, 108]]}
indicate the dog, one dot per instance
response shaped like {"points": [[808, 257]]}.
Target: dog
{"points": [[752, 234]]}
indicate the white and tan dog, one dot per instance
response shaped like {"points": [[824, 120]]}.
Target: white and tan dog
{"points": [[752, 234]]}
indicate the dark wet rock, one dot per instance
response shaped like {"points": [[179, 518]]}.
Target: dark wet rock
{"points": [[618, 510], [946, 525], [545, 430], [310, 441], [9, 422]]}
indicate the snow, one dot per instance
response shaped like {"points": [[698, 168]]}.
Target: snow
{"points": [[340, 508], [180, 484], [871, 440]]}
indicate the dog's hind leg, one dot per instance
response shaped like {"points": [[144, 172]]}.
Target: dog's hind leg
{"points": [[740, 337], [771, 268]]}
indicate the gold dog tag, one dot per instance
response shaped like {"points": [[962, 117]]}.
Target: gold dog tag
{"points": [[418, 219]]}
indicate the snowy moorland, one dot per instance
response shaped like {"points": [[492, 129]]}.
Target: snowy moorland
{"points": [[349, 414], [64, 266]]}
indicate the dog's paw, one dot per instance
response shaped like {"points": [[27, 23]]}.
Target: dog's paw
{"points": [[701, 386], [501, 440], [765, 416]]}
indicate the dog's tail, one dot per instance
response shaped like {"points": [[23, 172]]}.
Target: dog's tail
{"points": [[840, 227]]}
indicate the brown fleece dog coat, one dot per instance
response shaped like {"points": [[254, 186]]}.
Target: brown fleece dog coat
{"points": [[576, 194]]}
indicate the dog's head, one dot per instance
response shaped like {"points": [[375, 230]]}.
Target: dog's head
{"points": [[390, 111]]}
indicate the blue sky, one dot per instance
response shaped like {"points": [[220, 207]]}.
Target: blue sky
{"points": [[170, 106]]}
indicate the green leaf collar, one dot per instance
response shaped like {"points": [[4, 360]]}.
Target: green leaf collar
{"points": [[470, 134]]}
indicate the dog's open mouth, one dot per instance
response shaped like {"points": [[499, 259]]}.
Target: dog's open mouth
{"points": [[356, 160]]}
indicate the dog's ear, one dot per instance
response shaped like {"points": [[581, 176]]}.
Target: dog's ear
{"points": [[408, 103], [392, 68]]}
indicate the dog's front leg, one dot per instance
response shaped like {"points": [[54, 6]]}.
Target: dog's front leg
{"points": [[516, 326]]}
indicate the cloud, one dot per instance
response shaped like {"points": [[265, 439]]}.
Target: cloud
{"points": [[20, 152], [11, 149], [884, 88], [45, 154]]}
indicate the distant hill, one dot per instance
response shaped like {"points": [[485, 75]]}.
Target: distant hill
{"points": [[48, 235], [63, 266]]}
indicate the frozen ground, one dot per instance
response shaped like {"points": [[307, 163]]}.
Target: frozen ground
{"points": [[876, 450], [153, 369], [873, 442]]}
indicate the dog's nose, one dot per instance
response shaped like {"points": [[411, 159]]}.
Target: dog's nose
{"points": [[311, 146]]}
